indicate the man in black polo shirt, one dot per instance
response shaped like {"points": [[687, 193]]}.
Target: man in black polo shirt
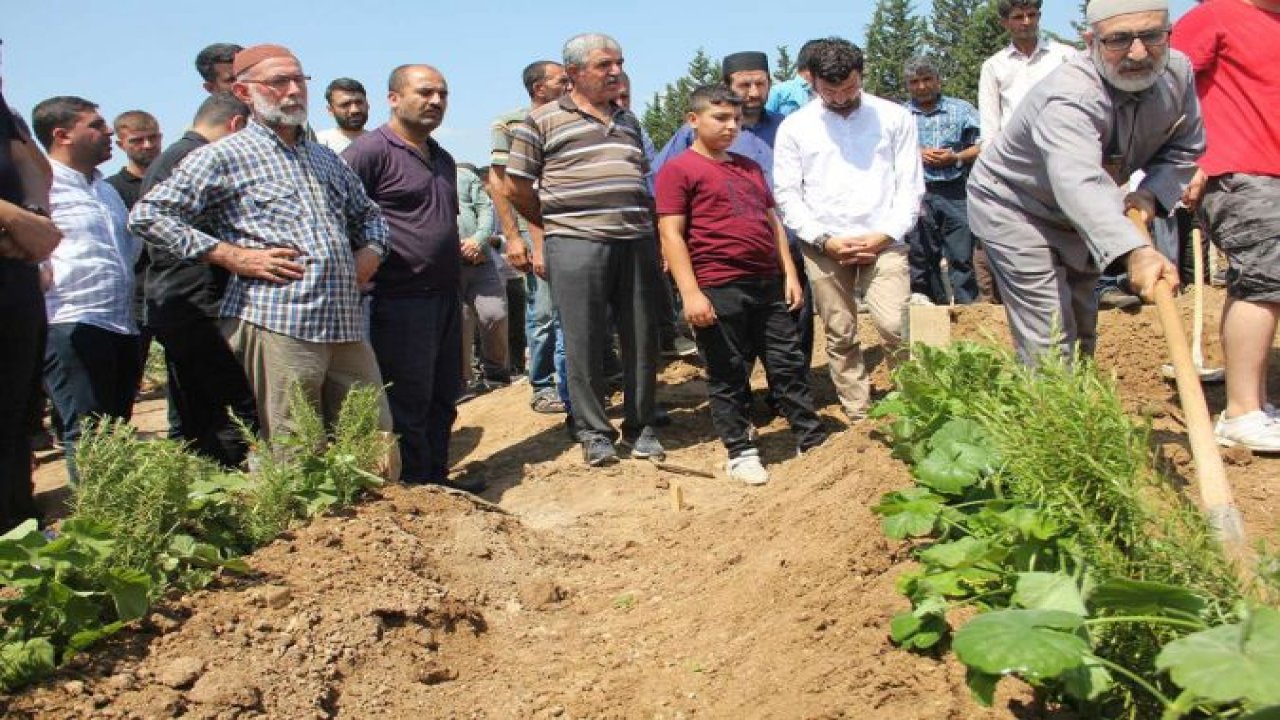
{"points": [[207, 385], [138, 136], [416, 319]]}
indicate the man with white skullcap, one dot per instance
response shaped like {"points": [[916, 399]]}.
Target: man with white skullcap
{"points": [[1048, 196]]}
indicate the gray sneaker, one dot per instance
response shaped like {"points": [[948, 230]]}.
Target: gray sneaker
{"points": [[597, 451], [646, 446]]}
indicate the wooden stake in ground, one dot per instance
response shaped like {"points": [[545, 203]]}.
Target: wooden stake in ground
{"points": [[1211, 474]]}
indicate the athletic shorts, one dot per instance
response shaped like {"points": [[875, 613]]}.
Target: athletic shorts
{"points": [[1241, 213]]}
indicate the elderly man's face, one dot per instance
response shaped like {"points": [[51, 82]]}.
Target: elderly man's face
{"points": [[1131, 50], [598, 79], [276, 89]]}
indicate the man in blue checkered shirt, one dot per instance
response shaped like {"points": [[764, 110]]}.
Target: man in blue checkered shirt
{"points": [[948, 130], [294, 226]]}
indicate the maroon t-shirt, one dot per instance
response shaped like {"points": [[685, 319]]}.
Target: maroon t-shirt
{"points": [[725, 205]]}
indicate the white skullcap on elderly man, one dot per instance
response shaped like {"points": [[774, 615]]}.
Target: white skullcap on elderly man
{"points": [[1100, 10]]}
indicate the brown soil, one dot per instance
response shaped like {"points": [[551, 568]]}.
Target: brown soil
{"points": [[576, 593]]}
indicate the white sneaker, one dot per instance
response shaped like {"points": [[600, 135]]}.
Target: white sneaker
{"points": [[747, 468], [1255, 430], [919, 299]]}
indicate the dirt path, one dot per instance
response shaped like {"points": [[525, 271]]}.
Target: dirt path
{"points": [[587, 594]]}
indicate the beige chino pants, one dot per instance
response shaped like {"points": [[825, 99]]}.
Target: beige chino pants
{"points": [[886, 288], [326, 371]]}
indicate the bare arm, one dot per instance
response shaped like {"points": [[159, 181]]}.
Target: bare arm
{"points": [[697, 308], [517, 251]]}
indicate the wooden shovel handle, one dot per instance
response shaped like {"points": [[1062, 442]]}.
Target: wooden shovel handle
{"points": [[1211, 474]]}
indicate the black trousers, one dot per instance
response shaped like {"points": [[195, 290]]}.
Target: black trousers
{"points": [[209, 390], [22, 338], [943, 232], [752, 321], [89, 372], [592, 282], [418, 343]]}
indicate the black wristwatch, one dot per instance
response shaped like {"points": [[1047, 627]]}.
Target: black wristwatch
{"points": [[821, 241]]}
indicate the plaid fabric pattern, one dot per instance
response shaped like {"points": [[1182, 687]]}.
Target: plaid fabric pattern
{"points": [[93, 265], [952, 124], [253, 190]]}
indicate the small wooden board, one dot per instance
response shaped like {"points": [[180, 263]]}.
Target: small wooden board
{"points": [[928, 324]]}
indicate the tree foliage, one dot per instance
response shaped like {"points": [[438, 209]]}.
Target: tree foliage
{"points": [[894, 35], [665, 112], [785, 67], [980, 38]]}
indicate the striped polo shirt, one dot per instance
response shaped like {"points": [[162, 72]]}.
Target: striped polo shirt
{"points": [[591, 175]]}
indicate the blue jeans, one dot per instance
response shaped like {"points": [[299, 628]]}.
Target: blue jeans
{"points": [[418, 343], [542, 334], [89, 372], [943, 232]]}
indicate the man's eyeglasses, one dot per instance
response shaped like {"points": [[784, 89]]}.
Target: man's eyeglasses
{"points": [[281, 82], [1124, 41]]}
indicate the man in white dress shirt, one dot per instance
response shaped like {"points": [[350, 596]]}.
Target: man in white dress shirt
{"points": [[92, 347], [1009, 74], [848, 179]]}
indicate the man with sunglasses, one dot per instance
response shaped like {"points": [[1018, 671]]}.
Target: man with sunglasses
{"points": [[294, 226], [1048, 195]]}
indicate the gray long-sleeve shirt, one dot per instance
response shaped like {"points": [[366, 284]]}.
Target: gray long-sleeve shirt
{"points": [[1049, 165]]}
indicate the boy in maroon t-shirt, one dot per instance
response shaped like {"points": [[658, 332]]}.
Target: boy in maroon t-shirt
{"points": [[728, 254]]}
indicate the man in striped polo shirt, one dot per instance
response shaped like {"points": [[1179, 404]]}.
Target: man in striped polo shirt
{"points": [[584, 152]]}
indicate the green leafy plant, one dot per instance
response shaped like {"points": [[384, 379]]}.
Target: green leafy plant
{"points": [[1047, 514]]}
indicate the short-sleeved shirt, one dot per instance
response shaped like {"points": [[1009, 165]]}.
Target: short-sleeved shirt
{"points": [[591, 174], [1234, 48], [128, 185], [726, 209], [952, 124], [418, 195], [500, 135]]}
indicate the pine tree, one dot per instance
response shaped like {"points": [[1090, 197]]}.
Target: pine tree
{"points": [[666, 111], [981, 38], [785, 66], [894, 35], [948, 25]]}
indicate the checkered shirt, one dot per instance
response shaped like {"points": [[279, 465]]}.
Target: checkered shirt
{"points": [[253, 190]]}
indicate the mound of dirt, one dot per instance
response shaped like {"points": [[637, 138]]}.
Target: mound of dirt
{"points": [[569, 592]]}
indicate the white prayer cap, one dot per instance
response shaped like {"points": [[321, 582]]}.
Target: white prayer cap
{"points": [[1100, 10]]}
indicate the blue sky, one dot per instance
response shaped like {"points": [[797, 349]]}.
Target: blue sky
{"points": [[127, 54]]}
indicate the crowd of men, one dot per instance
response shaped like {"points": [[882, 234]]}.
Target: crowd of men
{"points": [[276, 264]]}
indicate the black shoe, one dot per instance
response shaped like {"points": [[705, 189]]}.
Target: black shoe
{"points": [[463, 482], [661, 418], [1116, 299], [646, 446], [597, 451]]}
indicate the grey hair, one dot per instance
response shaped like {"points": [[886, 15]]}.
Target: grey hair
{"points": [[920, 65], [578, 47]]}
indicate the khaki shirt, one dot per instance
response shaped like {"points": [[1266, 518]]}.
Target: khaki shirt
{"points": [[1062, 162]]}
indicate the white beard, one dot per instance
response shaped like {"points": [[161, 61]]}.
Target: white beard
{"points": [[1127, 83], [274, 114]]}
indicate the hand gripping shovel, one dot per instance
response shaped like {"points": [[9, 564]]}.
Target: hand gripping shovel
{"points": [[1209, 375], [1211, 474]]}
